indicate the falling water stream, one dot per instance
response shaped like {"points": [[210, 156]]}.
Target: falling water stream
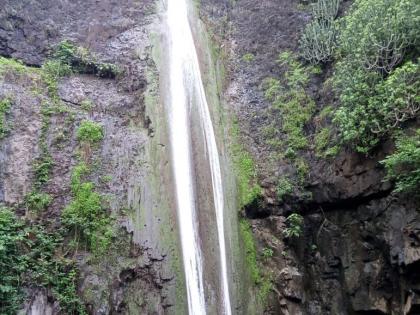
{"points": [[185, 83]]}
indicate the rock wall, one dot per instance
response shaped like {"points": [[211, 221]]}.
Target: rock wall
{"points": [[142, 271], [359, 250]]}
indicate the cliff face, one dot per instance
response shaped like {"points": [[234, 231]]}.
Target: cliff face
{"points": [[358, 252], [141, 273]]}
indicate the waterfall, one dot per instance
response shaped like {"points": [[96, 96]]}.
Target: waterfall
{"points": [[185, 81]]}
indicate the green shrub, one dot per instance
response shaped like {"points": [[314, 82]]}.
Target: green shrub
{"points": [[267, 252], [325, 9], [5, 105], [372, 108], [80, 60], [90, 132], [37, 201], [376, 34], [42, 169], [403, 165], [56, 69], [294, 226], [27, 257], [85, 216], [284, 188], [318, 41], [375, 95]]}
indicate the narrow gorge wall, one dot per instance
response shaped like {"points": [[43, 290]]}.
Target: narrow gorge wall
{"points": [[359, 249]]}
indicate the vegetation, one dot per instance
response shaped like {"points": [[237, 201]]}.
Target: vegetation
{"points": [[376, 77], [263, 282], [294, 228], [284, 188], [267, 252], [403, 165], [80, 60], [294, 106], [248, 57], [246, 174], [28, 257], [37, 201], [85, 216], [318, 40], [5, 105], [90, 132]]}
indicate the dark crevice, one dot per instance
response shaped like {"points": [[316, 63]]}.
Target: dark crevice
{"points": [[257, 209], [344, 204]]}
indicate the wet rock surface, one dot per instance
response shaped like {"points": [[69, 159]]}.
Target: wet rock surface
{"points": [[359, 250], [141, 273]]}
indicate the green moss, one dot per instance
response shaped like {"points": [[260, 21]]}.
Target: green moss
{"points": [[17, 66], [5, 105], [248, 57], [262, 282], [250, 250], [248, 188]]}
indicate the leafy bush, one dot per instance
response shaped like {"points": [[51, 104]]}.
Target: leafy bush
{"points": [[267, 252], [27, 257], [294, 228], [371, 108], [318, 41], [5, 105], [403, 165], [42, 169], [90, 131], [37, 201], [85, 215], [56, 69], [375, 95], [377, 33], [284, 188]]}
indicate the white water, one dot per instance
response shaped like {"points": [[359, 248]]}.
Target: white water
{"points": [[185, 81]]}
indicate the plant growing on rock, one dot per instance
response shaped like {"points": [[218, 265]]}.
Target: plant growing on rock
{"points": [[90, 132], [290, 100], [284, 188], [27, 256], [5, 105], [37, 201], [377, 85], [318, 41], [294, 226], [403, 166]]}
